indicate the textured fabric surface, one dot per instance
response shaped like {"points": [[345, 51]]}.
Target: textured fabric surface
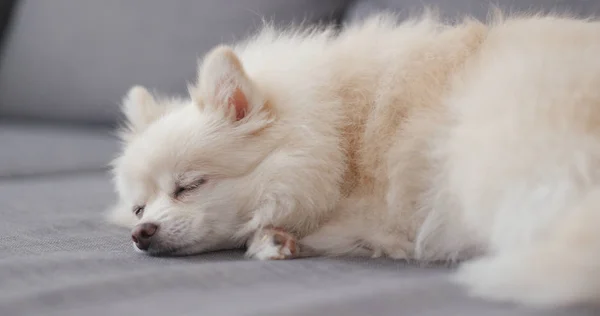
{"points": [[68, 59], [57, 257], [34, 150], [478, 8]]}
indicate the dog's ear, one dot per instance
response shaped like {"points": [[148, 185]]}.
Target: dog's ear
{"points": [[140, 108], [223, 84]]}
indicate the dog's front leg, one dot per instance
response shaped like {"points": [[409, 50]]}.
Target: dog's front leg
{"points": [[272, 244]]}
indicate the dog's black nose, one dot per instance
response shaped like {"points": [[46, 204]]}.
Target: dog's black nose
{"points": [[142, 235]]}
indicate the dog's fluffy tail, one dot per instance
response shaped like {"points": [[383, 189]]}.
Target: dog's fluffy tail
{"points": [[561, 270]]}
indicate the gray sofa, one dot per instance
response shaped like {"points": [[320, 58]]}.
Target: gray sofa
{"points": [[64, 67]]}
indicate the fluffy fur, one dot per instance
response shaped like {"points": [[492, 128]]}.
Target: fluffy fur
{"points": [[414, 140]]}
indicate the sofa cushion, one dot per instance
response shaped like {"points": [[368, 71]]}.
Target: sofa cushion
{"points": [[477, 8], [58, 257], [37, 150], [74, 60]]}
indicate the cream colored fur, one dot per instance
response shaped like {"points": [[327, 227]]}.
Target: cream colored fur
{"points": [[414, 140]]}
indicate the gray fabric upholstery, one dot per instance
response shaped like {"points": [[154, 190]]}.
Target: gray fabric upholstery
{"points": [[34, 150], [57, 257], [75, 59]]}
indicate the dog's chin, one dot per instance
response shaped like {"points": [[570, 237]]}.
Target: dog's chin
{"points": [[172, 251]]}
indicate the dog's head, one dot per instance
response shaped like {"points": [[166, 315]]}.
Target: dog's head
{"points": [[185, 174]]}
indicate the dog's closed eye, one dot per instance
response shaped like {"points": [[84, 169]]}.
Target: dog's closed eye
{"points": [[138, 210], [181, 189]]}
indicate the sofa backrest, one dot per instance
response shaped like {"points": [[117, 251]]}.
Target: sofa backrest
{"points": [[75, 59]]}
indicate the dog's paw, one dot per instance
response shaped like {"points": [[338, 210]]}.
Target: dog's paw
{"points": [[272, 244]]}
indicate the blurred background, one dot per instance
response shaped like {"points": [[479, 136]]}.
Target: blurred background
{"points": [[64, 67]]}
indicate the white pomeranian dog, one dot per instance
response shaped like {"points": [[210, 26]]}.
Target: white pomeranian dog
{"points": [[413, 140]]}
